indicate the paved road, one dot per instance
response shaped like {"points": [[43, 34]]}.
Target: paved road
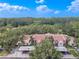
{"points": [[11, 58], [15, 57], [26, 58]]}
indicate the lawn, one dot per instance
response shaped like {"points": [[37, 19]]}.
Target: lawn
{"points": [[3, 53]]}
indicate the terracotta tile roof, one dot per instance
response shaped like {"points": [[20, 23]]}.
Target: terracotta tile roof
{"points": [[38, 37], [48, 35], [59, 37]]}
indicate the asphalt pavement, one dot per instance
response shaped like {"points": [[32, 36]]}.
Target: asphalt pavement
{"points": [[12, 58]]}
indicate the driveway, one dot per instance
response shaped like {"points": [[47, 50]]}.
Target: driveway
{"points": [[69, 57]]}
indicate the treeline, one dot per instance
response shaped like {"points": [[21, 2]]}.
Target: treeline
{"points": [[66, 25], [15, 22]]}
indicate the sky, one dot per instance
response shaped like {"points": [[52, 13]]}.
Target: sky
{"points": [[38, 8]]}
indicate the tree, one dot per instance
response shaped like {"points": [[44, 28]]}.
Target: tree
{"points": [[45, 50], [77, 41], [9, 38]]}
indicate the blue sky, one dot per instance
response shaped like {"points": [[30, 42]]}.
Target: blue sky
{"points": [[39, 8]]}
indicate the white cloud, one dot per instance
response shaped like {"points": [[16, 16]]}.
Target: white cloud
{"points": [[56, 12], [8, 7], [74, 7], [39, 1], [45, 9]]}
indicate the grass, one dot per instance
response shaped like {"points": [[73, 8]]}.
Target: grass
{"points": [[3, 53], [74, 52]]}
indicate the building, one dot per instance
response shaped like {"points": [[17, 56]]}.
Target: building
{"points": [[59, 39], [71, 41], [26, 39], [38, 37]]}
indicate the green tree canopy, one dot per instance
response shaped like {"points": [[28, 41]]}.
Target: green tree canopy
{"points": [[45, 50]]}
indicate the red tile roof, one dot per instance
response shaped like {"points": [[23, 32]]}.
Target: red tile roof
{"points": [[38, 37], [60, 37]]}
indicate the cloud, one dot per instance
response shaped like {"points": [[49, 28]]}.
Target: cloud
{"points": [[45, 9], [39, 1], [56, 12], [74, 7], [8, 7]]}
